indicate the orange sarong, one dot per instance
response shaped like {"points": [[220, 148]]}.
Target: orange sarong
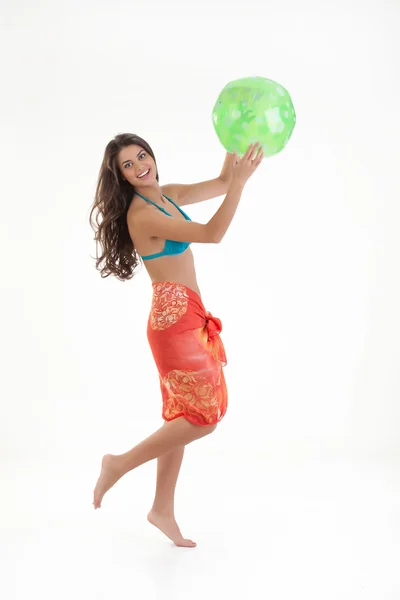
{"points": [[189, 354]]}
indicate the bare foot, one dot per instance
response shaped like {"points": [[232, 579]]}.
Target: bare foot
{"points": [[109, 475], [169, 527]]}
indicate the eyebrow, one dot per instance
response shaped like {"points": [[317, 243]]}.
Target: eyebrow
{"points": [[125, 161]]}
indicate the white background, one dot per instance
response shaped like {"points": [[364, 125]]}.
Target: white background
{"points": [[297, 493]]}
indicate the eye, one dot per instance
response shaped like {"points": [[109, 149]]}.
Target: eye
{"points": [[143, 154], [127, 165]]}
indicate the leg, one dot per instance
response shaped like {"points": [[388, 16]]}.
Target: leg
{"points": [[168, 467], [162, 512], [178, 432]]}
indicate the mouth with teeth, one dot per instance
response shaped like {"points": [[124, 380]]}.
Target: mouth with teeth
{"points": [[144, 175]]}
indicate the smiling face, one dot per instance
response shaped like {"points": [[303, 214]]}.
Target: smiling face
{"points": [[137, 166]]}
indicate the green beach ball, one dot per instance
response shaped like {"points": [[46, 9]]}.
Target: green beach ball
{"points": [[251, 110]]}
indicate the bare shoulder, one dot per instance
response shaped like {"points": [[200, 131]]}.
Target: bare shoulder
{"points": [[135, 214]]}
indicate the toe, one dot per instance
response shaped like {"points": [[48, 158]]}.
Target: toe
{"points": [[186, 543]]}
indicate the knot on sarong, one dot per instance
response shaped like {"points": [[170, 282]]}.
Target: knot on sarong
{"points": [[214, 326]]}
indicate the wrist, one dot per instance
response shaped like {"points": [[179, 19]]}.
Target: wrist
{"points": [[237, 183], [225, 182], [227, 168]]}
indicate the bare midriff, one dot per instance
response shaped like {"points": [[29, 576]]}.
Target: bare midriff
{"points": [[179, 268]]}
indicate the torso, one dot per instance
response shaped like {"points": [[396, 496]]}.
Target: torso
{"points": [[179, 268]]}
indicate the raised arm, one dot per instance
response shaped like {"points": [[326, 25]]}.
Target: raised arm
{"points": [[204, 190], [155, 223]]}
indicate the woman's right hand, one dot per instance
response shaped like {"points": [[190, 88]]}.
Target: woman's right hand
{"points": [[244, 167]]}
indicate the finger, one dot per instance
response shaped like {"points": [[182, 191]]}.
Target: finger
{"points": [[249, 151], [259, 159], [260, 154], [256, 150]]}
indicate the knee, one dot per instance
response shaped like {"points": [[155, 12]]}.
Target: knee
{"points": [[203, 430]]}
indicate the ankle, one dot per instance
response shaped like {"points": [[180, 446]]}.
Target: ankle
{"points": [[122, 465], [164, 511]]}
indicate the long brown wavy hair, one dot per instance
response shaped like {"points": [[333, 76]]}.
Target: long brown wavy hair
{"points": [[112, 199]]}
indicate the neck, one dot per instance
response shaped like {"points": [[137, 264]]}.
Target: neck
{"points": [[153, 193]]}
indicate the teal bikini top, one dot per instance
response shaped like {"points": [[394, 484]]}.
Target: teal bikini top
{"points": [[171, 247]]}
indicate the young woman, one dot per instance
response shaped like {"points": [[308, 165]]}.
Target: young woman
{"points": [[141, 220]]}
